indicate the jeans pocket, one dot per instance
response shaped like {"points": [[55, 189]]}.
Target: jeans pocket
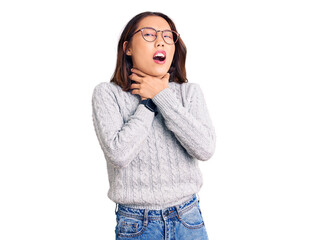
{"points": [[129, 227], [191, 217]]}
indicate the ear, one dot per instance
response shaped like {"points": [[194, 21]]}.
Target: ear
{"points": [[128, 50]]}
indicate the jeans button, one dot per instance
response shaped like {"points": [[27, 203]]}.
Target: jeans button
{"points": [[166, 213]]}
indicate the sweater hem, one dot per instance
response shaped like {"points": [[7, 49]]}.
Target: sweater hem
{"points": [[157, 206]]}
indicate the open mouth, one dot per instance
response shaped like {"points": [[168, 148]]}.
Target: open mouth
{"points": [[159, 57]]}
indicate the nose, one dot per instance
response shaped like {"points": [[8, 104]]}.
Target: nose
{"points": [[159, 40]]}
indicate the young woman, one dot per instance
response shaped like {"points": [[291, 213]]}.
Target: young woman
{"points": [[153, 127]]}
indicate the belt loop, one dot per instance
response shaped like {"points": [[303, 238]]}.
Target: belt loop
{"points": [[146, 217], [178, 212], [116, 208]]}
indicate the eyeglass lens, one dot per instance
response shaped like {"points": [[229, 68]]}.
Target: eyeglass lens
{"points": [[168, 36]]}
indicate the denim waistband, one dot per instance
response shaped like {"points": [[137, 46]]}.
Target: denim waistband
{"points": [[147, 214]]}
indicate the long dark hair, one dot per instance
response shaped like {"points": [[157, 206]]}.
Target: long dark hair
{"points": [[124, 62]]}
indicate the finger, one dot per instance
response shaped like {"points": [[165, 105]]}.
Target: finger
{"points": [[135, 77], [137, 71], [135, 85], [135, 91]]}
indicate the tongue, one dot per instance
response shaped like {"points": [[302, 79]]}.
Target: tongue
{"points": [[159, 58]]}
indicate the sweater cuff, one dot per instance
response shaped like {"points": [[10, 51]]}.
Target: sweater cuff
{"points": [[143, 113], [165, 100]]}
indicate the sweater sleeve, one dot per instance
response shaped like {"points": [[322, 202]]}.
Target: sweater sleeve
{"points": [[119, 140], [191, 125]]}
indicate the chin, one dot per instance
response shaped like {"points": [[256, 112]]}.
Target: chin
{"points": [[155, 71], [160, 72]]}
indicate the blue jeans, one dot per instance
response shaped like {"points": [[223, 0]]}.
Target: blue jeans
{"points": [[182, 222]]}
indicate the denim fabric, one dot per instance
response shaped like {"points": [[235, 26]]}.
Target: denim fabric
{"points": [[183, 222]]}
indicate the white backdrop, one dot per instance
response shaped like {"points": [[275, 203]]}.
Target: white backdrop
{"points": [[264, 67]]}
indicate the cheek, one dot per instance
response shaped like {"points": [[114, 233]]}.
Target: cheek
{"points": [[143, 56], [140, 51], [172, 56]]}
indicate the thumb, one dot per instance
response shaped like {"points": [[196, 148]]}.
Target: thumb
{"points": [[166, 77]]}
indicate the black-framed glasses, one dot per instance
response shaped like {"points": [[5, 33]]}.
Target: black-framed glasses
{"points": [[150, 35]]}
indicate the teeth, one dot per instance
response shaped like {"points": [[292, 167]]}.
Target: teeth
{"points": [[159, 55]]}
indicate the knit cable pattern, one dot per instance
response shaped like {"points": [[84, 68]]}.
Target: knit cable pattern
{"points": [[152, 160]]}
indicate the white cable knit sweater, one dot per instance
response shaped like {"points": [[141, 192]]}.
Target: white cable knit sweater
{"points": [[152, 161]]}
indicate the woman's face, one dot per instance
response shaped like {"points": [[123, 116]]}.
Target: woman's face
{"points": [[142, 52]]}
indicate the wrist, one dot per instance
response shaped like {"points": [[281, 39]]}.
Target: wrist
{"points": [[149, 104]]}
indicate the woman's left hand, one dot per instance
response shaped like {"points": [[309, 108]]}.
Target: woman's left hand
{"points": [[147, 86]]}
